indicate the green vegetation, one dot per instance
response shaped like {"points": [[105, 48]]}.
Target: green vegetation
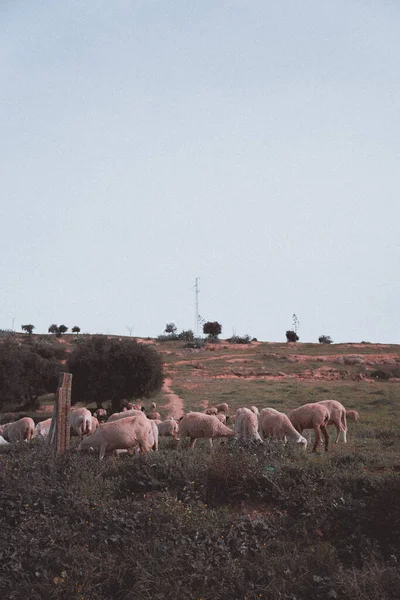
{"points": [[111, 369]]}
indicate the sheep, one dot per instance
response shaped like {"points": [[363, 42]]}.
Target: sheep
{"points": [[337, 417], [198, 425], [154, 435], [100, 414], [95, 423], [246, 424], [123, 434], [134, 406], [353, 414], [153, 414], [277, 425], [223, 407], [42, 429], [170, 427], [312, 416], [81, 422], [18, 430], [3, 442], [221, 417], [211, 410], [125, 413], [254, 409]]}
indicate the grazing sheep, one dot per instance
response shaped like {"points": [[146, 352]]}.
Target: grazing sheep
{"points": [[3, 442], [337, 417], [211, 410], [353, 414], [154, 435], [312, 416], [42, 429], [221, 417], [277, 425], [123, 434], [246, 424], [124, 414], [18, 430], [81, 422], [198, 425], [95, 424], [170, 427], [223, 407], [254, 409], [101, 415], [153, 414]]}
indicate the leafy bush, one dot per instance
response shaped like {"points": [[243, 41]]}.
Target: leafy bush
{"points": [[111, 369], [212, 328], [291, 336], [325, 339], [237, 339]]}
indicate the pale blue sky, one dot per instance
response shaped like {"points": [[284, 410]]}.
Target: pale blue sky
{"points": [[253, 144]]}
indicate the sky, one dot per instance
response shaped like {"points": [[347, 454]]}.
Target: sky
{"points": [[252, 144]]}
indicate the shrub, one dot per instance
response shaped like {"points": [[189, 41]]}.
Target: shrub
{"points": [[170, 328], [212, 328], [111, 369], [28, 328], [291, 336], [237, 339], [325, 339]]}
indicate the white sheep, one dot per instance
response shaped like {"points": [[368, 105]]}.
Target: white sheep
{"points": [[18, 430], [80, 422], [123, 434], [277, 425], [353, 414], [311, 416], [337, 417], [223, 407], [246, 424], [254, 409], [153, 414], [211, 410], [154, 435], [100, 414], [221, 416], [42, 429], [125, 413], [170, 427], [197, 425], [95, 424]]}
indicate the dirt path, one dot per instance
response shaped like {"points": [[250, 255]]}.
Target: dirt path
{"points": [[174, 404]]}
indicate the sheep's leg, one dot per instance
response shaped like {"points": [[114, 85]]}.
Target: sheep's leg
{"points": [[211, 442], [338, 430], [345, 436], [102, 452], [192, 442], [326, 436], [317, 438]]}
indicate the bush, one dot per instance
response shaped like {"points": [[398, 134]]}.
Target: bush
{"points": [[212, 328], [325, 339], [291, 336], [110, 369], [237, 339]]}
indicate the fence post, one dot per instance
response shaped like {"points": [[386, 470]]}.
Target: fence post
{"points": [[59, 435]]}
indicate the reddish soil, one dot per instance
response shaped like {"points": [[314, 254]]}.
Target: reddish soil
{"points": [[174, 406]]}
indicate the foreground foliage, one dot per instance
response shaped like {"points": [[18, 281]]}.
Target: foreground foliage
{"points": [[241, 521]]}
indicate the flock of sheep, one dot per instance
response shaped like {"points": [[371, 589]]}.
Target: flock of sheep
{"points": [[133, 431]]}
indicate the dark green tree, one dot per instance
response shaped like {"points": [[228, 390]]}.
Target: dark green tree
{"points": [[212, 328], [61, 329], [112, 370], [291, 336], [28, 328], [325, 339], [170, 328], [76, 329], [53, 328]]}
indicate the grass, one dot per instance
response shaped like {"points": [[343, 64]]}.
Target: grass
{"points": [[243, 521]]}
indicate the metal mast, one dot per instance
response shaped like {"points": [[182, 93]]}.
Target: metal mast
{"points": [[196, 286]]}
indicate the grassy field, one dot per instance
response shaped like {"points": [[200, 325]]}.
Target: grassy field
{"points": [[242, 521]]}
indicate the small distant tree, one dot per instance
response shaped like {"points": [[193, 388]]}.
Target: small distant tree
{"points": [[61, 329], [76, 329], [115, 369], [170, 328], [291, 336], [212, 328], [53, 328], [325, 339], [28, 328]]}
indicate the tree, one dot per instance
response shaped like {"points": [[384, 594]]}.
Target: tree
{"points": [[212, 328], [104, 369], [25, 374], [61, 329], [53, 328], [170, 328], [28, 328], [325, 339], [291, 336], [75, 329]]}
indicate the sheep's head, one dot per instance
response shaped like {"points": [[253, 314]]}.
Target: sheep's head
{"points": [[302, 440]]}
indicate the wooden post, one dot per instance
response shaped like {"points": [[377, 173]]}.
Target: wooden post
{"points": [[59, 435]]}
